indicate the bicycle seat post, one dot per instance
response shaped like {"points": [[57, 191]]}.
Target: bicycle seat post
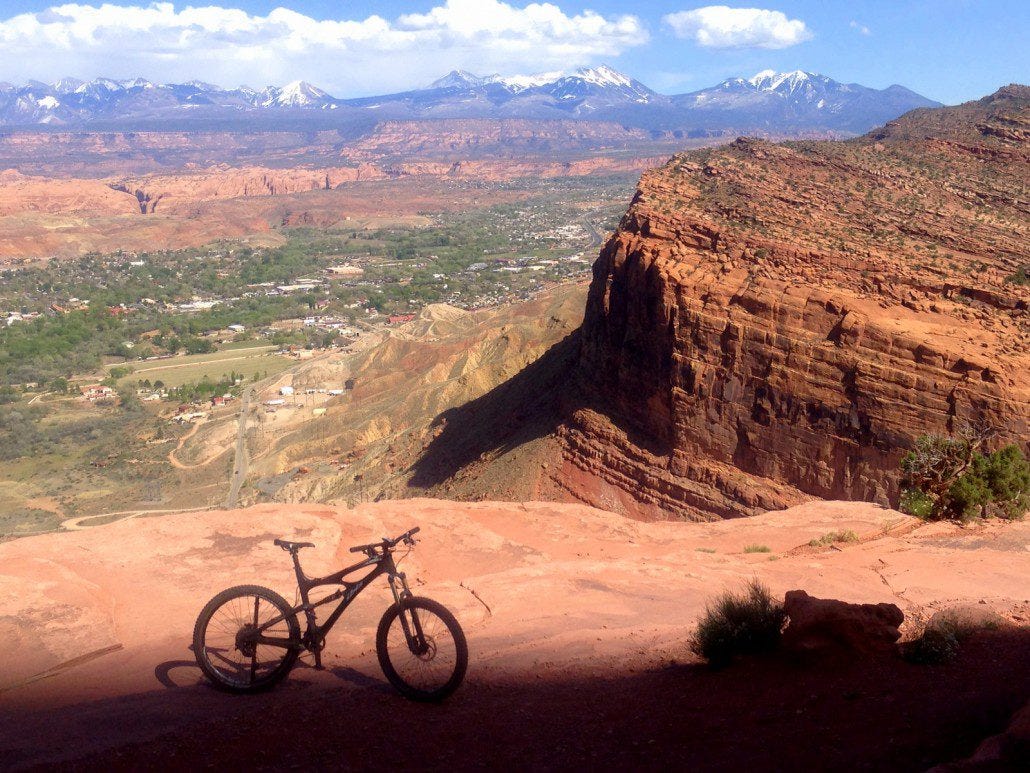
{"points": [[295, 554]]}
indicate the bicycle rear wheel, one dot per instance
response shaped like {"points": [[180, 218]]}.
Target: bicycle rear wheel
{"points": [[223, 639], [422, 649]]}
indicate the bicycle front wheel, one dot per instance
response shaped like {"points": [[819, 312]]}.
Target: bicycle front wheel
{"points": [[422, 649], [228, 647]]}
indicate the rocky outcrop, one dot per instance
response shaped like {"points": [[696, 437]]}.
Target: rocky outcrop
{"points": [[22, 194], [826, 625], [773, 322], [179, 192]]}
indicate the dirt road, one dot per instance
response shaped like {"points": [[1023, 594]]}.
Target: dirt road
{"points": [[239, 466]]}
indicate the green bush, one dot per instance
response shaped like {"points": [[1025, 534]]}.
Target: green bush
{"points": [[917, 503], [947, 477], [739, 624], [1006, 474], [936, 645]]}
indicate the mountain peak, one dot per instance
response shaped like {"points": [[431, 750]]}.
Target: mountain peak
{"points": [[67, 85], [458, 79], [770, 80], [296, 94], [603, 75], [523, 82]]}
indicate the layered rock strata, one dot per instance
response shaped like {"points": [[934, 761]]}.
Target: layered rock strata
{"points": [[775, 322]]}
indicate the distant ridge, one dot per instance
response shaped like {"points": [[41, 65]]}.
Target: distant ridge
{"points": [[797, 101]]}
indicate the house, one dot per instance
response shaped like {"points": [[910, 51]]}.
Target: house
{"points": [[237, 328], [286, 391], [344, 270], [96, 392]]}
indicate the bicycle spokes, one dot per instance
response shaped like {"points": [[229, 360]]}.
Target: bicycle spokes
{"points": [[233, 639], [422, 649]]}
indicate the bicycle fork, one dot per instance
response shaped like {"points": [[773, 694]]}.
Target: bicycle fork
{"points": [[413, 633]]}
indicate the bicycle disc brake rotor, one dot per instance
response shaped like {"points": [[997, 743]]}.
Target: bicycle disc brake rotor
{"points": [[428, 652]]}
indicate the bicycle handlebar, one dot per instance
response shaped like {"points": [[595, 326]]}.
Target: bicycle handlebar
{"points": [[385, 543]]}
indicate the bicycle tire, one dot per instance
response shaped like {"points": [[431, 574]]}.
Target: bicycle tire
{"points": [[453, 659], [212, 636]]}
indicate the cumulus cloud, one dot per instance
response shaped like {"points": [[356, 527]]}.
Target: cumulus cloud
{"points": [[161, 41], [719, 26], [859, 27]]}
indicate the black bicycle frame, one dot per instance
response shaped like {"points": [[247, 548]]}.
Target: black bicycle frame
{"points": [[315, 633]]}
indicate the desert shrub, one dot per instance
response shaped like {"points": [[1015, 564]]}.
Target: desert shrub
{"points": [[739, 624], [948, 477], [936, 645], [756, 549], [1021, 276], [1006, 475], [946, 631], [916, 502], [834, 536]]}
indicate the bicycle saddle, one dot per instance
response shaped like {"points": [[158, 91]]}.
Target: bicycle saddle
{"points": [[293, 547]]}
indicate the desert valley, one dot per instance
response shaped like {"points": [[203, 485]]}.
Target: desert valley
{"points": [[712, 409]]}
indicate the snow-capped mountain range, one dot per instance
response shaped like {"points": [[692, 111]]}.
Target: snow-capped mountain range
{"points": [[581, 84], [769, 101]]}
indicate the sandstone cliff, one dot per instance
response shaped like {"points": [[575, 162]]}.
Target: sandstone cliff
{"points": [[775, 322]]}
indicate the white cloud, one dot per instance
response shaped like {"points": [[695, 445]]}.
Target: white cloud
{"points": [[348, 56], [859, 27], [719, 26]]}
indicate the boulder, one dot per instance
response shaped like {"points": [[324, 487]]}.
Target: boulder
{"points": [[828, 625]]}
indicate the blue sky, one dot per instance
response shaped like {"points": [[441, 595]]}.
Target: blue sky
{"points": [[950, 50]]}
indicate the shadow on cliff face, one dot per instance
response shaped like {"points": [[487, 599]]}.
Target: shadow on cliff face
{"points": [[530, 405], [526, 407]]}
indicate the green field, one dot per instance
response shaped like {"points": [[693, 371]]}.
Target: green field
{"points": [[193, 368]]}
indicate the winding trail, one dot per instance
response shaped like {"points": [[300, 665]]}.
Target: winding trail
{"points": [[182, 441], [78, 523]]}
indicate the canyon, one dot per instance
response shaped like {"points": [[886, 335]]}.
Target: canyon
{"points": [[769, 324]]}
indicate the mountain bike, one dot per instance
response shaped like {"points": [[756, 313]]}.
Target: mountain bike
{"points": [[248, 638]]}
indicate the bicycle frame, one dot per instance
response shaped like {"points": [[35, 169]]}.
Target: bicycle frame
{"points": [[315, 634]]}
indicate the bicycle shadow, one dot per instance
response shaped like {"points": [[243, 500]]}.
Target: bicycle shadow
{"points": [[194, 677], [359, 678], [163, 671]]}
